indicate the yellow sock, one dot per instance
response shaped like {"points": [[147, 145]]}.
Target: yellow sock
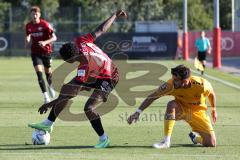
{"points": [[199, 139], [168, 127]]}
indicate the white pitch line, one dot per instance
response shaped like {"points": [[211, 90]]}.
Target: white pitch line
{"points": [[220, 80], [217, 79]]}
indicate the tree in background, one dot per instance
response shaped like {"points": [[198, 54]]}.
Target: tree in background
{"points": [[4, 25], [92, 12], [199, 18], [225, 14]]}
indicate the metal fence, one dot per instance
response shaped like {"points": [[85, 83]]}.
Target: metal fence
{"points": [[68, 22]]}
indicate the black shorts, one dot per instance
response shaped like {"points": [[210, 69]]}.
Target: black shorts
{"points": [[202, 56], [44, 60], [104, 85]]}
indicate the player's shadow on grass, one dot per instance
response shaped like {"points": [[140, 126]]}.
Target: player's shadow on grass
{"points": [[172, 146], [122, 146], [185, 145], [35, 147]]}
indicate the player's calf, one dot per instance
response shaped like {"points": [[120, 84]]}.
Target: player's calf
{"points": [[169, 123], [95, 119]]}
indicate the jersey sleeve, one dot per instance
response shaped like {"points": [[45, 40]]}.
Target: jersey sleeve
{"points": [[87, 38], [165, 88], [208, 43], [207, 88], [48, 27]]}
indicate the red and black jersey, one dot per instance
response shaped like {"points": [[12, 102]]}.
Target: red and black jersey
{"points": [[40, 32], [97, 64]]}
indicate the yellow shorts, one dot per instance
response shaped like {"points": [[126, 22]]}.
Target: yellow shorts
{"points": [[196, 118]]}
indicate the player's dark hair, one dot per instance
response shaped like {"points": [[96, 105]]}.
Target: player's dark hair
{"points": [[35, 9], [68, 51], [181, 71]]}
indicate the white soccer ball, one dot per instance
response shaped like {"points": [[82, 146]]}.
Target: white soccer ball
{"points": [[40, 137]]}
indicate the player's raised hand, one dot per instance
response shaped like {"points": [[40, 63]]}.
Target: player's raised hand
{"points": [[121, 13], [133, 118]]}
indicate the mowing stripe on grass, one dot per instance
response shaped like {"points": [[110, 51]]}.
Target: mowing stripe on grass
{"points": [[83, 154]]}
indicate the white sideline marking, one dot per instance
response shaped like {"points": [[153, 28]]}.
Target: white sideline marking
{"points": [[219, 80]]}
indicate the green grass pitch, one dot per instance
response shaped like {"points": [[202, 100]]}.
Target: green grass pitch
{"points": [[20, 98]]}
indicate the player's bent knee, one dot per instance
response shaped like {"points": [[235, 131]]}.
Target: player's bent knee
{"points": [[172, 105], [89, 105], [210, 143], [90, 113], [87, 108]]}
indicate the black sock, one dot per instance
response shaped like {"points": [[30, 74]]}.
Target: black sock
{"points": [[97, 126], [41, 81], [52, 116], [49, 78]]}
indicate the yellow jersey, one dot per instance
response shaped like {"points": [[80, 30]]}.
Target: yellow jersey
{"points": [[193, 96]]}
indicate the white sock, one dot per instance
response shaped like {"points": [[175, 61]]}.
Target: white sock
{"points": [[45, 94], [48, 122], [103, 137], [167, 139], [50, 87]]}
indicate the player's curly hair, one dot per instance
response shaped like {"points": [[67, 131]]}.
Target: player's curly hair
{"points": [[181, 71], [68, 51]]}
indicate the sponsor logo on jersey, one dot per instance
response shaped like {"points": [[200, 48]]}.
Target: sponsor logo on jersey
{"points": [[163, 87], [37, 34], [81, 73], [40, 28]]}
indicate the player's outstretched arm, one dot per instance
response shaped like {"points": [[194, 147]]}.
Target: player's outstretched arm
{"points": [[67, 92], [163, 89], [145, 104], [102, 28]]}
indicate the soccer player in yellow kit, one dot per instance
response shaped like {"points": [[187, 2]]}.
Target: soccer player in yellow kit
{"points": [[190, 93]]}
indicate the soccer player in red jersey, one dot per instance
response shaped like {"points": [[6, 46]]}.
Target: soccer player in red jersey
{"points": [[40, 34], [96, 71]]}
